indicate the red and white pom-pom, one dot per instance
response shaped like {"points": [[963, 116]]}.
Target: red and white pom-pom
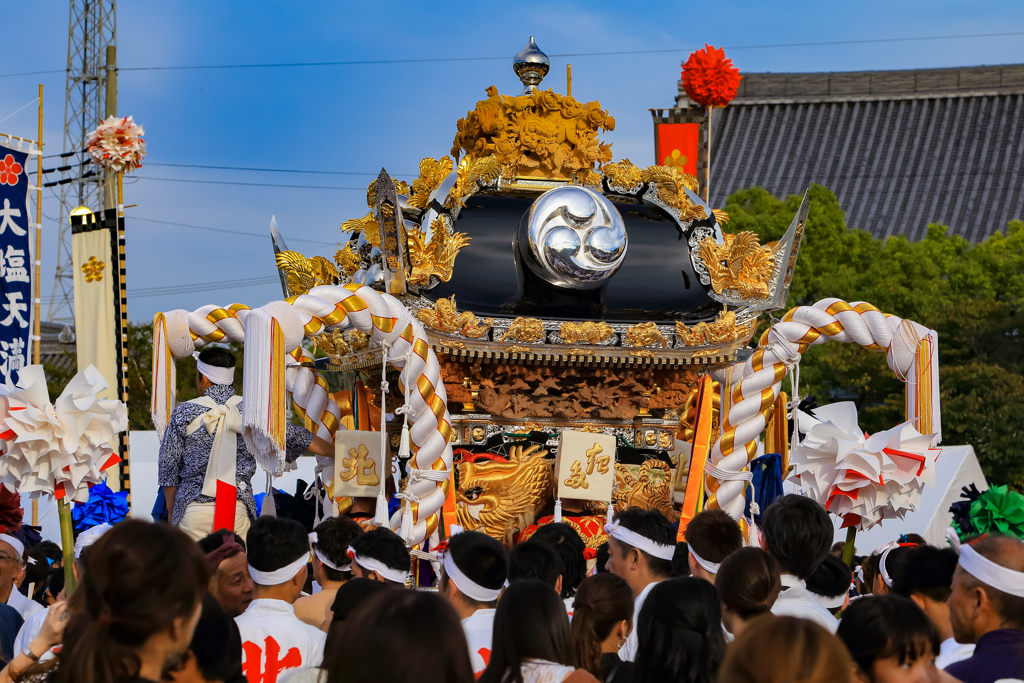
{"points": [[117, 145], [709, 78]]}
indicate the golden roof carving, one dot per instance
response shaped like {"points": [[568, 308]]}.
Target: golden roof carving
{"points": [[741, 263], [723, 329], [588, 332], [670, 182], [432, 173], [303, 274], [542, 133], [445, 318], [436, 257], [524, 330], [623, 175], [645, 334]]}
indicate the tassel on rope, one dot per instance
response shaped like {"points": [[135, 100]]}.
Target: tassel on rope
{"points": [[380, 515], [263, 418], [558, 511], [700, 447]]}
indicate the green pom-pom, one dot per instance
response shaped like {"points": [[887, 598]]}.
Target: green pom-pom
{"points": [[999, 510]]}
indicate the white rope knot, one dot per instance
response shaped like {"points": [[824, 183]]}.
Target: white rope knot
{"points": [[406, 410], [427, 475], [726, 475]]}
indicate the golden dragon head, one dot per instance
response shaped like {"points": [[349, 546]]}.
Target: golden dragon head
{"points": [[499, 497]]}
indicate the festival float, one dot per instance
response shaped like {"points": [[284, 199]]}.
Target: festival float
{"points": [[538, 332]]}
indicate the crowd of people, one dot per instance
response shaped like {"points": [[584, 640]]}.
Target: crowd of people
{"points": [[282, 604]]}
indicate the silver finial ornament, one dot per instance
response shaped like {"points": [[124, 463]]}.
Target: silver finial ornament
{"points": [[531, 65]]}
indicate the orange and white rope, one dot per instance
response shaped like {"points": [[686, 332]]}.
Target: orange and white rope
{"points": [[757, 383]]}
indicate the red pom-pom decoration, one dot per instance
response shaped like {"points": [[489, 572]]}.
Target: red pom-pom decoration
{"points": [[709, 78]]}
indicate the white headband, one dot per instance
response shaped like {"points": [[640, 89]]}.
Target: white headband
{"points": [[991, 574], [372, 565], [18, 546], [881, 566], [313, 540], [466, 585], [215, 374], [829, 603], [88, 537], [708, 566], [664, 552], [278, 576]]}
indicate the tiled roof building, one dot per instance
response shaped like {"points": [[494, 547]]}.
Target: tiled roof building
{"points": [[900, 149]]}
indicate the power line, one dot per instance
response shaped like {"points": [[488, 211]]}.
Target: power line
{"points": [[265, 235], [225, 182], [280, 170], [434, 60], [203, 286]]}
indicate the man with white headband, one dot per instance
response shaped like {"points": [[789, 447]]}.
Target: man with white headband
{"points": [[711, 536], [473, 572], [986, 607], [12, 562], [641, 544], [380, 555], [797, 532], [205, 469], [332, 568], [273, 638]]}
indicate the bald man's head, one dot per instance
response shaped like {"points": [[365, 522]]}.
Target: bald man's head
{"points": [[975, 608], [1006, 552]]}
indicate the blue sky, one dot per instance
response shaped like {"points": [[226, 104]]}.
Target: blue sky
{"points": [[357, 119]]}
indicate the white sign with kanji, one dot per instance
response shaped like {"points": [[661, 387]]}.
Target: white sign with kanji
{"points": [[358, 466], [585, 466]]}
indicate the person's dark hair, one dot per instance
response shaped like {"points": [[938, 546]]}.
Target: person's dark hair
{"points": [[570, 547], [928, 571], [218, 357], [530, 623], [55, 584], [653, 526], [869, 570], [881, 626], [714, 535], [37, 572], [401, 636], [681, 561], [1004, 551], [831, 579], [349, 597], [773, 649], [217, 644], [536, 561], [601, 602], [602, 558], [798, 533], [383, 545], [748, 582], [917, 539], [895, 563], [275, 542], [679, 630], [482, 559], [140, 577], [215, 540], [334, 536], [837, 548]]}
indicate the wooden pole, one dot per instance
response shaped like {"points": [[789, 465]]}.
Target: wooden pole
{"points": [[568, 80], [38, 263]]}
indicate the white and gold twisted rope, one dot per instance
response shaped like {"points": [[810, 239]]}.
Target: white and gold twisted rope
{"points": [[757, 383], [327, 306]]}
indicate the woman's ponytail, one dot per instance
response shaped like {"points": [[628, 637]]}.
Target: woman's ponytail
{"points": [[602, 602]]}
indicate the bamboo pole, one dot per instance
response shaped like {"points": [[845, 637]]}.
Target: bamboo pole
{"points": [[568, 80], [67, 540], [851, 535], [38, 264]]}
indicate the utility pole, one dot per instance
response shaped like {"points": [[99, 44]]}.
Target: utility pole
{"points": [[110, 181], [92, 27]]}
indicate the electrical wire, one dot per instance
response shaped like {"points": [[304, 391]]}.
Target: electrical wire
{"points": [[226, 182], [279, 170], [434, 60], [230, 232]]}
